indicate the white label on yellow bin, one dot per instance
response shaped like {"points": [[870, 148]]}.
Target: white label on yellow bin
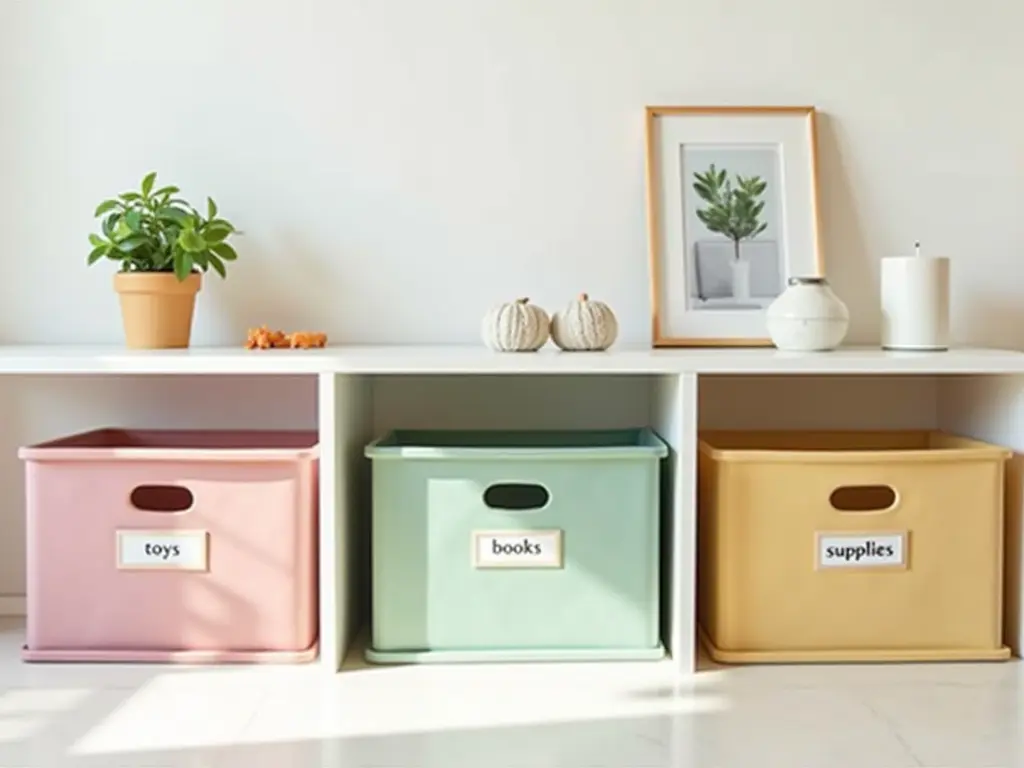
{"points": [[162, 550], [862, 550], [517, 549]]}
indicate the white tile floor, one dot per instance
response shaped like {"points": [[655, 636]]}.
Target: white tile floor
{"points": [[535, 716]]}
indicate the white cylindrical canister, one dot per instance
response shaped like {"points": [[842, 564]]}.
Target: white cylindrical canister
{"points": [[915, 303]]}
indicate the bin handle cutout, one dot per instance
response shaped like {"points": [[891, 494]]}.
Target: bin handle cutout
{"points": [[516, 497], [161, 498], [863, 498]]}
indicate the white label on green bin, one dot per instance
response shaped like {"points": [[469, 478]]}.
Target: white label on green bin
{"points": [[162, 550], [861, 550], [517, 549]]}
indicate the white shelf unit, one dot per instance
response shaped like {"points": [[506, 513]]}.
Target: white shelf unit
{"points": [[356, 393]]}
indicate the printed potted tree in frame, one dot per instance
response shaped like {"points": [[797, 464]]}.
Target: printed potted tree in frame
{"points": [[733, 210], [163, 246]]}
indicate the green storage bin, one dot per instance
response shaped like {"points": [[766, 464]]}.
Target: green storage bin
{"points": [[510, 546]]}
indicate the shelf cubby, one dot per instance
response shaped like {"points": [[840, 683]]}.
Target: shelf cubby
{"points": [[353, 394]]}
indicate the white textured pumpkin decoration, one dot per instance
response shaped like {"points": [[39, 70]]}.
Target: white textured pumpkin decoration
{"points": [[518, 326], [585, 325]]}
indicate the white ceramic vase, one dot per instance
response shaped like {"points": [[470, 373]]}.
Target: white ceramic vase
{"points": [[740, 279], [808, 317]]}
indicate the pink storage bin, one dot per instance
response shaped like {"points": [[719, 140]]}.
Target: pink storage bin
{"points": [[190, 546]]}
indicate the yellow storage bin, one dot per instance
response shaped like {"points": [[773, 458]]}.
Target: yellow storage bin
{"points": [[850, 546]]}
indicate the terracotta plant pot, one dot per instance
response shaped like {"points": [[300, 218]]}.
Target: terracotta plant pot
{"points": [[156, 308]]}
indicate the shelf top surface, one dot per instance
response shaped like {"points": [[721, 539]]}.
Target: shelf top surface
{"points": [[56, 359]]}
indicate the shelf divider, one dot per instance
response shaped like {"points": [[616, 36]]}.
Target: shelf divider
{"points": [[345, 416], [674, 417]]}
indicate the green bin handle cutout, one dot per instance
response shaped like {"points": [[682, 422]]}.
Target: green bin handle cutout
{"points": [[516, 497]]}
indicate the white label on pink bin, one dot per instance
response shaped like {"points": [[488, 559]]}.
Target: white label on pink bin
{"points": [[162, 550]]}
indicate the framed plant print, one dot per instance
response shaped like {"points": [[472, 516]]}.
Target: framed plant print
{"points": [[732, 202]]}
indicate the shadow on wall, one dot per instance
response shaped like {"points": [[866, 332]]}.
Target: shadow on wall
{"points": [[851, 268], [288, 288], [993, 321], [990, 320], [1013, 529], [13, 434]]}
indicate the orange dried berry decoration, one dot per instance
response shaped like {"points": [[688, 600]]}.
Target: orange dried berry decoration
{"points": [[264, 338], [307, 340], [258, 338]]}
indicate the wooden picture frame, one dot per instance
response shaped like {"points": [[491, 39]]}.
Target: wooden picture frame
{"points": [[715, 264]]}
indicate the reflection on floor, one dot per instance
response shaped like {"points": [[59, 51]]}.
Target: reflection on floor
{"points": [[630, 715]]}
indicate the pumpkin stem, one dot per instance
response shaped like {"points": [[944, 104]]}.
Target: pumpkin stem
{"points": [[522, 301], [584, 297]]}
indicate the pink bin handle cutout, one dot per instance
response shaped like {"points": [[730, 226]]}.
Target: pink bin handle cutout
{"points": [[161, 498]]}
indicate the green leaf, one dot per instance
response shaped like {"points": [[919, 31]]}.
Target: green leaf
{"points": [[133, 220], [110, 224], [169, 235], [225, 251], [704, 191], [166, 191], [170, 213], [201, 259], [217, 264], [222, 223], [96, 254], [147, 183], [715, 219], [130, 196], [159, 260], [106, 205], [215, 234], [191, 241], [97, 242], [211, 208], [182, 264], [131, 243]]}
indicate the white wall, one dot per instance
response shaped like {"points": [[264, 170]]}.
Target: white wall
{"points": [[400, 165]]}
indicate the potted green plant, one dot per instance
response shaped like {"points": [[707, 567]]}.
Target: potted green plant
{"points": [[163, 246], [733, 211]]}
